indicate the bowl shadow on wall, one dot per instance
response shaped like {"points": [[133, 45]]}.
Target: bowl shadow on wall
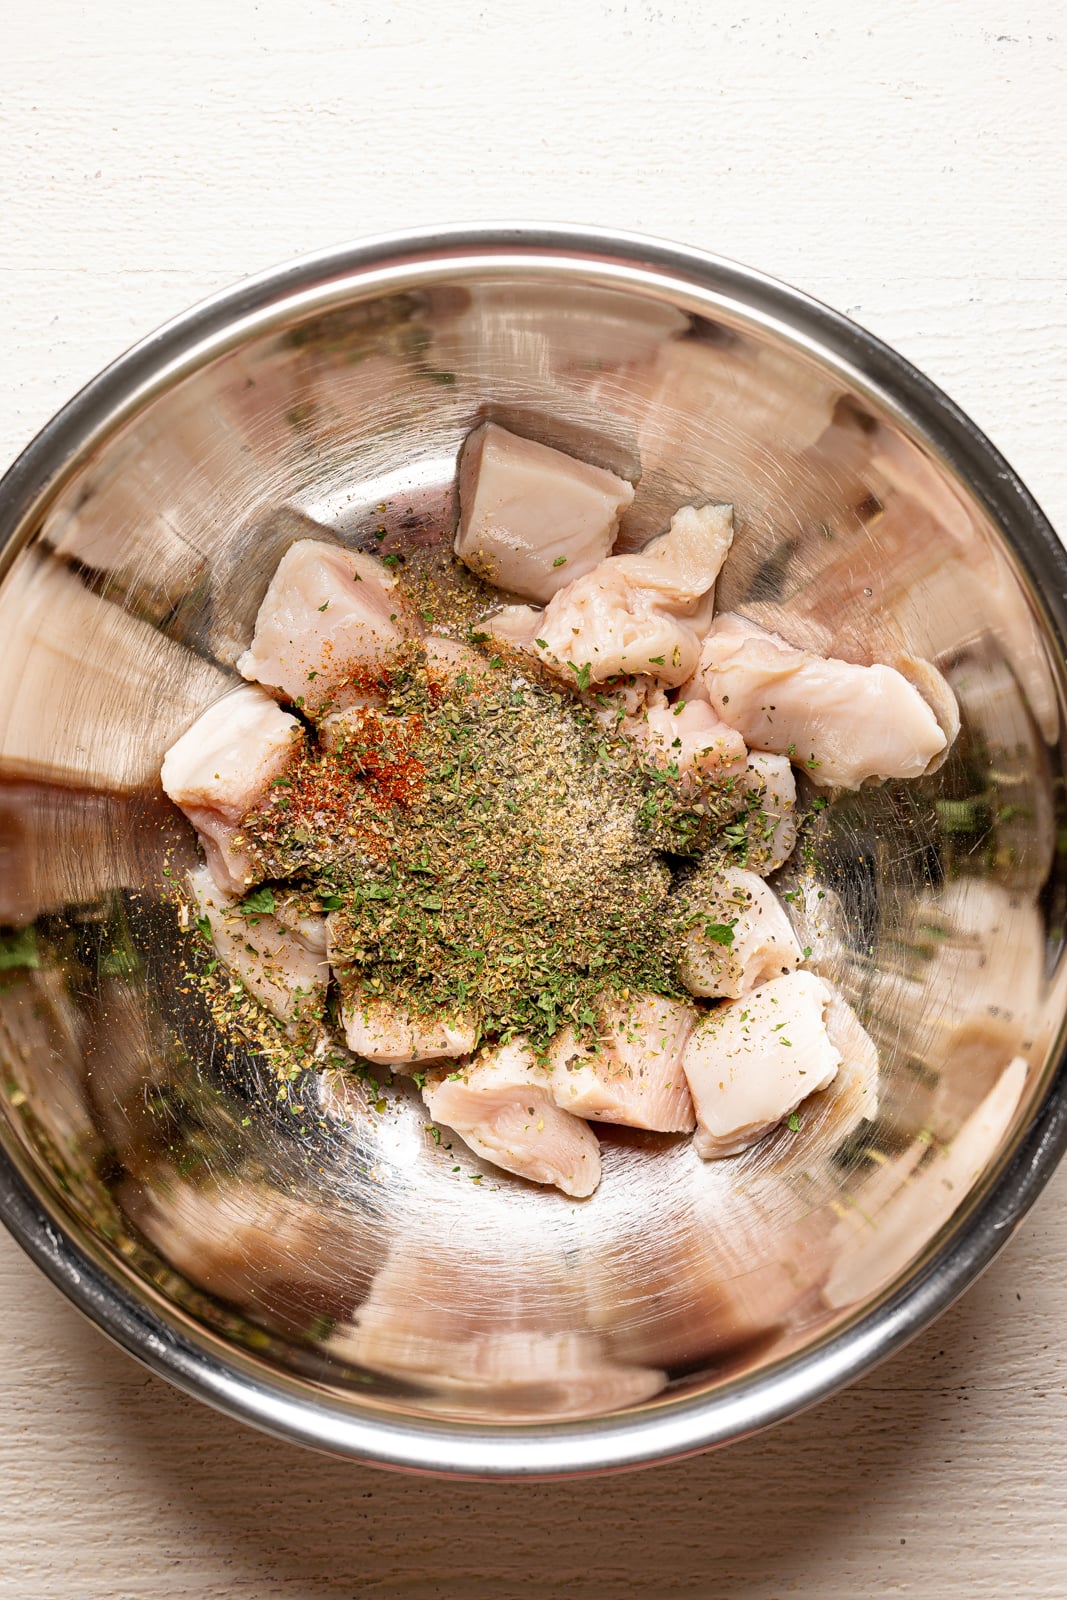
{"points": [[338, 1244]]}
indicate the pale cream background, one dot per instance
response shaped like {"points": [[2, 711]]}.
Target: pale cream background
{"points": [[903, 162]]}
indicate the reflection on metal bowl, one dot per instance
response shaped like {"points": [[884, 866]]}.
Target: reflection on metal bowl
{"points": [[308, 1258]]}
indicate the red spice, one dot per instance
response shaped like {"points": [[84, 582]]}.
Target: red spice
{"points": [[377, 751], [328, 796], [363, 681]]}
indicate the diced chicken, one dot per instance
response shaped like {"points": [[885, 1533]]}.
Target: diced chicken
{"points": [[772, 820], [681, 565], [326, 628], [686, 736], [742, 937], [517, 626], [635, 614], [220, 768], [827, 1119], [273, 963], [751, 1062], [531, 518], [875, 1245], [600, 627], [451, 662], [841, 723], [378, 1030], [935, 690], [307, 926], [362, 728], [631, 1072], [501, 1105]]}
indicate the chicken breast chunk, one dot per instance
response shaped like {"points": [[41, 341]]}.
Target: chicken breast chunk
{"points": [[687, 737], [273, 963], [501, 1105], [326, 627], [631, 1072], [681, 565], [220, 768], [306, 925], [452, 663], [532, 518], [840, 722], [752, 1061], [645, 613], [384, 1032], [740, 936], [771, 817]]}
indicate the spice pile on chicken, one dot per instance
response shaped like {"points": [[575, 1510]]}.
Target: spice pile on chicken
{"points": [[523, 857]]}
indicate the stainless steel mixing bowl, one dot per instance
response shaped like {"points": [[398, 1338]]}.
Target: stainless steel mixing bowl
{"points": [[315, 1263]]}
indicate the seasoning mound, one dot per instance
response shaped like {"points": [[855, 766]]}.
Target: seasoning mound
{"points": [[481, 844]]}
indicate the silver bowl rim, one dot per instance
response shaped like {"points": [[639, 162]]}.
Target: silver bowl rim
{"points": [[671, 1429]]}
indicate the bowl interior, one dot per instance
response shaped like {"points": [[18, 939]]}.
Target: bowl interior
{"points": [[338, 1251]]}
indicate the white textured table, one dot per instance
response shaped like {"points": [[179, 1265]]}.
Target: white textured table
{"points": [[907, 168]]}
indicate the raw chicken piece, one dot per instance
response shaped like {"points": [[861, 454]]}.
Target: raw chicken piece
{"points": [[935, 690], [772, 823], [743, 937], [687, 736], [515, 625], [501, 1105], [682, 564], [380, 1031], [532, 518], [877, 1244], [329, 615], [363, 727], [635, 614], [220, 768], [842, 723], [600, 628], [307, 926], [451, 662], [827, 1119], [632, 1072], [273, 963], [752, 1061]]}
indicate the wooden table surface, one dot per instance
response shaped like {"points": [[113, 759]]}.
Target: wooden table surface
{"points": [[904, 163]]}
